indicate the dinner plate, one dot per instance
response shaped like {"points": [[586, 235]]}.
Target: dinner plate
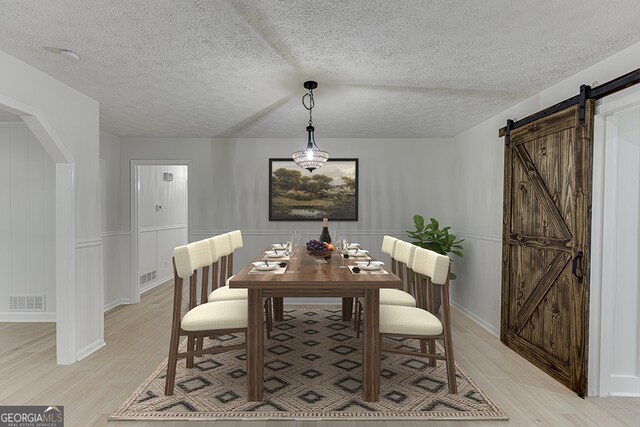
{"points": [[275, 254], [263, 266], [358, 252], [373, 265], [279, 246], [353, 246]]}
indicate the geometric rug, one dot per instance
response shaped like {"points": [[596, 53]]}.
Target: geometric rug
{"points": [[312, 370]]}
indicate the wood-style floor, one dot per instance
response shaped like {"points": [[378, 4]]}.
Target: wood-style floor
{"points": [[138, 336]]}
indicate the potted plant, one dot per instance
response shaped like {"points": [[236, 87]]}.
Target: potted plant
{"points": [[431, 236]]}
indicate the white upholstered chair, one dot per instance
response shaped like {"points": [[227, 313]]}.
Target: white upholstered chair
{"points": [[235, 241], [204, 320], [419, 322], [226, 244], [404, 256], [389, 247], [223, 250], [391, 296]]}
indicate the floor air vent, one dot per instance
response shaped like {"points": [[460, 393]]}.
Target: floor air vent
{"points": [[27, 303]]}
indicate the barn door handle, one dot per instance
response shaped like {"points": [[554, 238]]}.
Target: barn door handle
{"points": [[574, 268]]}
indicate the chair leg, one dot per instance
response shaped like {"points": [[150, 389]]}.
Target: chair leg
{"points": [[199, 343], [423, 346], [171, 365], [451, 367], [191, 344], [359, 311], [268, 312], [432, 350], [355, 315]]}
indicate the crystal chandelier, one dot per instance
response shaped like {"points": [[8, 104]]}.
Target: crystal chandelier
{"points": [[311, 157]]}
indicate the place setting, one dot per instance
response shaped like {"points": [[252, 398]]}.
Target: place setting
{"points": [[368, 267], [266, 266], [278, 252]]}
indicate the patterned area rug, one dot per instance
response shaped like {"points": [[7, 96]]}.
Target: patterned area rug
{"points": [[313, 370]]}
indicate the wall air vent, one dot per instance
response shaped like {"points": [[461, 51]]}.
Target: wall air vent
{"points": [[27, 303], [147, 277]]}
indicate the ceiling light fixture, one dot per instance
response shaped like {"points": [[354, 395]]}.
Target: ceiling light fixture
{"points": [[67, 53], [311, 157]]}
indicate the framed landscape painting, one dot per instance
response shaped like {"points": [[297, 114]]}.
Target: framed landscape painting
{"points": [[295, 194]]}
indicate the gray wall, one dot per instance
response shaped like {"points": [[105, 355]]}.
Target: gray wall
{"points": [[229, 179]]}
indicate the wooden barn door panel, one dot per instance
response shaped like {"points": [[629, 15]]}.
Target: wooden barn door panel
{"points": [[546, 227]]}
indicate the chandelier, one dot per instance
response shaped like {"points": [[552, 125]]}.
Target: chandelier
{"points": [[311, 157]]}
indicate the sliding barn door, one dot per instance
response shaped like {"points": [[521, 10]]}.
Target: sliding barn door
{"points": [[547, 215]]}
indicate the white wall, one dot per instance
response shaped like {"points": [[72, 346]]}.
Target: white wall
{"points": [[67, 124], [115, 226], [229, 179], [478, 188], [27, 246], [162, 219], [478, 217]]}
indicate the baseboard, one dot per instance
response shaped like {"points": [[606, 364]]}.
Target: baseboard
{"points": [[152, 285], [621, 394], [27, 317], [116, 303], [94, 346], [484, 324]]}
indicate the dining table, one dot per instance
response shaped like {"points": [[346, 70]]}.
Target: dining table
{"points": [[307, 276]]}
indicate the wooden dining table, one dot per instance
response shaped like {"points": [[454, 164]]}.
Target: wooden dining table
{"points": [[304, 277]]}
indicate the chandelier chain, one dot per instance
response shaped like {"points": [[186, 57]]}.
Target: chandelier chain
{"points": [[311, 105]]}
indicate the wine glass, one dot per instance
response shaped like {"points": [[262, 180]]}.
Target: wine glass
{"points": [[336, 239], [295, 237]]}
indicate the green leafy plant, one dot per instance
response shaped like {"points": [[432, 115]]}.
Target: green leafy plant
{"points": [[431, 236]]}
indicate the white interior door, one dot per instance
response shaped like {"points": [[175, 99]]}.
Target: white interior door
{"points": [[160, 220], [617, 333]]}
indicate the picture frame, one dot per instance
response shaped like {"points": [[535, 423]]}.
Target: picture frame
{"points": [[295, 194]]}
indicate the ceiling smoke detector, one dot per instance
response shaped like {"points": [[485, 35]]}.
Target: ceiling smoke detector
{"points": [[67, 53]]}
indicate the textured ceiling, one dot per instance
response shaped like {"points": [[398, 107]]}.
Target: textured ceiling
{"points": [[235, 68]]}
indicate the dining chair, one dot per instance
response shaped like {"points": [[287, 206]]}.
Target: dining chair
{"points": [[223, 250], [222, 244], [404, 256], [420, 322], [220, 249], [204, 320], [235, 241], [391, 296], [389, 247]]}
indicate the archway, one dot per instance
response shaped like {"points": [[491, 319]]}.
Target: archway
{"points": [[65, 224]]}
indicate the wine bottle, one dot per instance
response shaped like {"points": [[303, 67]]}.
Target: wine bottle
{"points": [[325, 236]]}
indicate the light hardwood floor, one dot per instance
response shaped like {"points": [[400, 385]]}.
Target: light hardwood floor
{"points": [[137, 338]]}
